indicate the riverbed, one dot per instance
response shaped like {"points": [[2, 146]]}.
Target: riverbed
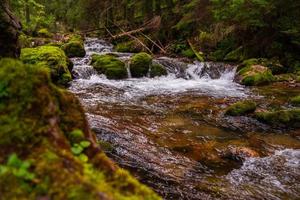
{"points": [[172, 134]]}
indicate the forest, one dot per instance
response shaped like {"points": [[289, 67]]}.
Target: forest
{"points": [[149, 99]]}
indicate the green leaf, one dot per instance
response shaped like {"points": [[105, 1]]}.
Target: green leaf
{"points": [[14, 161], [77, 149], [83, 157], [85, 144]]}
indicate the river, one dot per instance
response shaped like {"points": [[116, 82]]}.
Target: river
{"points": [[171, 132]]}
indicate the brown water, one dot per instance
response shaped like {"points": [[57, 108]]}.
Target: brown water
{"points": [[172, 134]]}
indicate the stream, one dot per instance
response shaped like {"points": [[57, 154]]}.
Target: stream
{"points": [[171, 132]]}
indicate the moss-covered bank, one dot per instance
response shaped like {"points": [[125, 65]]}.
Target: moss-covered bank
{"points": [[47, 149]]}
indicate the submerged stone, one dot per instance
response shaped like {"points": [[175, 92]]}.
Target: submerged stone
{"points": [[109, 65], [51, 57], [140, 64]]}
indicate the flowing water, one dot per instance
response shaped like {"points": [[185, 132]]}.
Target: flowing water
{"points": [[171, 132]]}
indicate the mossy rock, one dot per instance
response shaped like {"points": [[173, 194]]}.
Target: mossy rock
{"points": [[109, 65], [140, 64], [252, 74], [241, 108], [51, 57], [290, 118], [74, 49], [44, 33], [157, 70], [40, 124], [296, 100]]}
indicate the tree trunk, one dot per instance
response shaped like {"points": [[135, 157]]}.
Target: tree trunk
{"points": [[9, 33], [27, 12]]}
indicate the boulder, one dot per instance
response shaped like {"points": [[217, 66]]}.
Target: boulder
{"points": [[140, 64], [74, 47], [157, 70], [109, 65], [51, 57], [252, 74]]}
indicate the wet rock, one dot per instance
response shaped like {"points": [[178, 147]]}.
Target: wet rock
{"points": [[140, 64], [109, 65], [10, 27], [239, 153], [53, 58], [241, 108], [157, 70]]}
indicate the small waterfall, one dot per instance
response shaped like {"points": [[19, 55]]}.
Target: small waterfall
{"points": [[127, 65]]}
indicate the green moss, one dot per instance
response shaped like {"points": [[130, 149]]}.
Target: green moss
{"points": [[109, 65], [296, 100], [252, 74], [129, 46], [140, 64], [51, 57], [157, 70], [44, 33], [241, 108], [283, 117], [40, 123], [258, 79], [74, 49]]}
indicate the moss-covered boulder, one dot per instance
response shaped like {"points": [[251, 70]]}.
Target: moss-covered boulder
{"points": [[252, 74], [52, 57], [157, 70], [47, 149], [140, 64], [74, 47], [290, 118], [296, 100], [109, 65], [241, 108]]}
